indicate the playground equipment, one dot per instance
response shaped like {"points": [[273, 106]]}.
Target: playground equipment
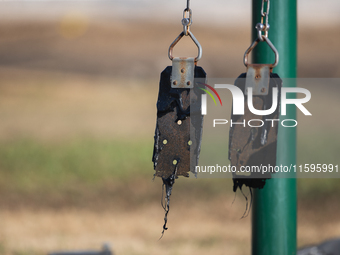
{"points": [[255, 145], [175, 152], [274, 210], [274, 201]]}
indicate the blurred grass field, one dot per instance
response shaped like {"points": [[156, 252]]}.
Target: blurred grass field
{"points": [[34, 169], [77, 119], [68, 183]]}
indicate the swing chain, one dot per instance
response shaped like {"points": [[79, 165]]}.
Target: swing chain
{"points": [[188, 5], [261, 27], [187, 20]]}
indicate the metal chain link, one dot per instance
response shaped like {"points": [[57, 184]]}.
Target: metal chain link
{"points": [[263, 27], [187, 19], [268, 6], [188, 5]]}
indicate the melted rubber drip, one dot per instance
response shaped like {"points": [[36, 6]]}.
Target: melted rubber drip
{"points": [[168, 184]]}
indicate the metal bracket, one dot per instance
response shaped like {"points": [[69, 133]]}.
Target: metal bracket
{"points": [[258, 76], [252, 46], [182, 75]]}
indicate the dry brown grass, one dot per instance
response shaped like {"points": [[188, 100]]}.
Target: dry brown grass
{"points": [[47, 105], [195, 227]]}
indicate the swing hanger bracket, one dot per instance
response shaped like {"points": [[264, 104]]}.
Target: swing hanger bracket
{"points": [[186, 22], [183, 68], [252, 46], [262, 27]]}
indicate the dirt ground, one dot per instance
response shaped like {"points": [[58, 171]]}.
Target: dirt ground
{"points": [[60, 80], [194, 227]]}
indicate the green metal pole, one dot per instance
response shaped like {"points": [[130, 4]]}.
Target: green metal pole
{"points": [[275, 206]]}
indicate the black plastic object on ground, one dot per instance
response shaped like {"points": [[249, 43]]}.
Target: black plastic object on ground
{"points": [[105, 251], [253, 138], [330, 247]]}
